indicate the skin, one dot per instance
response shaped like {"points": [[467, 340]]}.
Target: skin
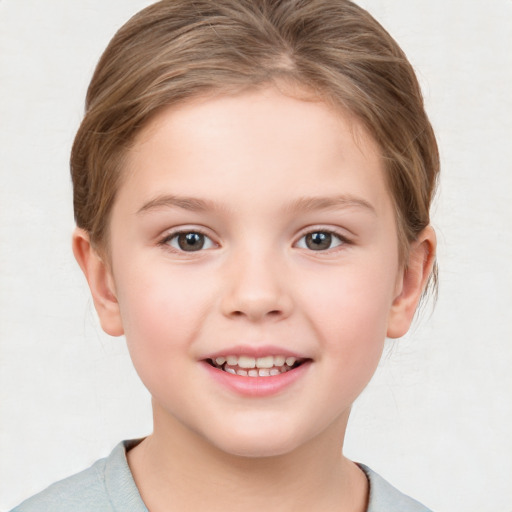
{"points": [[254, 173]]}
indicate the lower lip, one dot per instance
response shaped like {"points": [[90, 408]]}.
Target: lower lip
{"points": [[257, 386]]}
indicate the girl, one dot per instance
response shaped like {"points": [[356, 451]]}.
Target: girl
{"points": [[252, 183]]}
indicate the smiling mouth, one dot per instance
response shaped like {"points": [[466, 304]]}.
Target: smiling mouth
{"points": [[247, 366]]}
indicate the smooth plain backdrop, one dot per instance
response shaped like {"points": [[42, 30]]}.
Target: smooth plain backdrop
{"points": [[436, 420]]}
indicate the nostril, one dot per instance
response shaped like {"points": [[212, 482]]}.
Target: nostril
{"points": [[275, 313], [272, 313]]}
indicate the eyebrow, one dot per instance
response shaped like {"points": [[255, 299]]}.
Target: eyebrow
{"points": [[331, 202], [302, 204], [186, 203]]}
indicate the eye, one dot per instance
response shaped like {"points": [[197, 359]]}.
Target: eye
{"points": [[320, 241], [189, 241]]}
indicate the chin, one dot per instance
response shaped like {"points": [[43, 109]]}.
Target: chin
{"points": [[258, 450], [257, 445]]}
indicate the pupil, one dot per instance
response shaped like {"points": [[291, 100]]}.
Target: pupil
{"points": [[318, 241], [191, 241]]}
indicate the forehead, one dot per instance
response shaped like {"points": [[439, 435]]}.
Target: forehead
{"points": [[260, 142]]}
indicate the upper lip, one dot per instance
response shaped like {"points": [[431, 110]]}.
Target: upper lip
{"points": [[254, 351]]}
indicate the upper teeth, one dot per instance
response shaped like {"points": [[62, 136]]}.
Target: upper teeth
{"points": [[255, 362]]}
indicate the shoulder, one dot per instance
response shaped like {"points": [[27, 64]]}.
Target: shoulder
{"points": [[80, 492], [107, 486], [384, 497]]}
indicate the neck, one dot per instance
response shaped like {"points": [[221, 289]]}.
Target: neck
{"points": [[175, 469]]}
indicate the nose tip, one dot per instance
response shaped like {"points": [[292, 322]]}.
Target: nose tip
{"points": [[257, 292], [253, 311]]}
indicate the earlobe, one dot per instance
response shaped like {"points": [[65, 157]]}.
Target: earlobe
{"points": [[101, 283], [412, 283]]}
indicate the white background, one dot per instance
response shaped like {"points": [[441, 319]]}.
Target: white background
{"points": [[437, 419]]}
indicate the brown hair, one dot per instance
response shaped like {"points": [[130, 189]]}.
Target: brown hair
{"points": [[175, 50]]}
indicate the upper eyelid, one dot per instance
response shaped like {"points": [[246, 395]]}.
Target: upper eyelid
{"points": [[166, 239], [340, 233], [341, 243], [172, 232]]}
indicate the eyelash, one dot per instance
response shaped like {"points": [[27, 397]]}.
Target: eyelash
{"points": [[341, 240], [332, 237], [167, 240]]}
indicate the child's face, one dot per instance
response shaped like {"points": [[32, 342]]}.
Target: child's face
{"points": [[291, 251]]}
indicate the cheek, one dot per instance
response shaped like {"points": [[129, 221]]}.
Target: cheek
{"points": [[351, 315], [353, 301], [161, 317], [353, 332], [161, 311]]}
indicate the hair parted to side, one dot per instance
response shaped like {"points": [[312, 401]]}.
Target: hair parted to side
{"points": [[176, 50]]}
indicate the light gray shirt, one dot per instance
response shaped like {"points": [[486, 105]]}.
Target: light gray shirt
{"points": [[108, 486]]}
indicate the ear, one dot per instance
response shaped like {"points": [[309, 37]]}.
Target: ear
{"points": [[411, 283], [101, 283]]}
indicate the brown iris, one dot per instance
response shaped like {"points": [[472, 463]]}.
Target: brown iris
{"points": [[190, 241], [318, 241]]}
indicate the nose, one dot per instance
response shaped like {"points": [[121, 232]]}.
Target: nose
{"points": [[256, 288]]}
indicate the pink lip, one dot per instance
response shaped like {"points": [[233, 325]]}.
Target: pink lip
{"points": [[254, 351], [257, 386]]}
